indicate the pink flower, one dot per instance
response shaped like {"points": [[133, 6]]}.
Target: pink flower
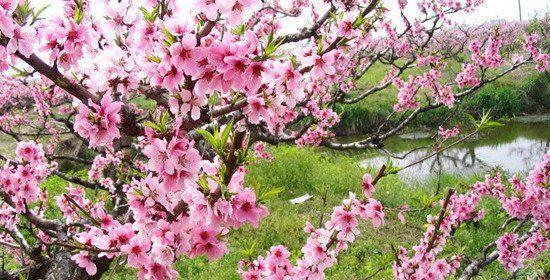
{"points": [[400, 215], [237, 10], [29, 151], [208, 7], [175, 161], [170, 75], [245, 208], [99, 125], [182, 54], [190, 103], [254, 76], [234, 70], [83, 260], [162, 254], [6, 22], [321, 64], [206, 243], [368, 187], [157, 271], [255, 109], [22, 40], [374, 211], [345, 27], [448, 133], [4, 59], [137, 251]]}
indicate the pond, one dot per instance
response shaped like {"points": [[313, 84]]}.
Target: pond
{"points": [[515, 148]]}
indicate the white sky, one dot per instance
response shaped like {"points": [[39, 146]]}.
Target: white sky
{"points": [[490, 10], [508, 9]]}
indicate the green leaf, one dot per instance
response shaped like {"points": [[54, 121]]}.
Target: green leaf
{"points": [[152, 125], [358, 21], [239, 30], [37, 14], [471, 119], [170, 39], [225, 134], [207, 136], [249, 252]]}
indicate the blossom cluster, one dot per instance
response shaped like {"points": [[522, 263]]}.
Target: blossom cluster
{"points": [[322, 245], [20, 179], [448, 133], [529, 199], [99, 124]]}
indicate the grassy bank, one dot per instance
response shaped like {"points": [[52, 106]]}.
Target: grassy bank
{"points": [[521, 92], [301, 171]]}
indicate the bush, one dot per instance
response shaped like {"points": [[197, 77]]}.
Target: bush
{"points": [[502, 101]]}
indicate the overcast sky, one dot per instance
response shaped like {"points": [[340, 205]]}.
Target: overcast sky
{"points": [[508, 9], [492, 9]]}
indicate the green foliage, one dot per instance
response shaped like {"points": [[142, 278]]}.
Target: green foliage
{"points": [[503, 101], [217, 139], [520, 92]]}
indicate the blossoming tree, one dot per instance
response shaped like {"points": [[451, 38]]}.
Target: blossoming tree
{"points": [[170, 96]]}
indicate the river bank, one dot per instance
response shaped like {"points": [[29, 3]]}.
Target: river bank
{"points": [[519, 94]]}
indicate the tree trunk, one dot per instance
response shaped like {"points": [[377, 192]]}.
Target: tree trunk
{"points": [[59, 267], [65, 268]]}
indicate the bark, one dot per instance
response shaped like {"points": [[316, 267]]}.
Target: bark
{"points": [[65, 268], [60, 266]]}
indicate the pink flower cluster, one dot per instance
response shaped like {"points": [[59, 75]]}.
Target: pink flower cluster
{"points": [[261, 152], [322, 246], [20, 179], [527, 199], [21, 38], [448, 133], [176, 162], [406, 97], [542, 59], [512, 253], [99, 124], [491, 58], [424, 262], [467, 77]]}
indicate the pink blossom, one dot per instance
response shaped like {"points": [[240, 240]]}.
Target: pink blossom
{"points": [[190, 103], [448, 133], [321, 65], [22, 40], [84, 260], [245, 208], [368, 187], [99, 125], [137, 251], [182, 54]]}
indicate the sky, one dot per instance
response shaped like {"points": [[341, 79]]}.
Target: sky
{"points": [[490, 10], [508, 10]]}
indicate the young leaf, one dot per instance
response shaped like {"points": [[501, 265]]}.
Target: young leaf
{"points": [[207, 136]]}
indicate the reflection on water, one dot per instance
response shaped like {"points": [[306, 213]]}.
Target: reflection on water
{"points": [[515, 147]]}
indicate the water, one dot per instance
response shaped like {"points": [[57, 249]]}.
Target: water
{"points": [[515, 148]]}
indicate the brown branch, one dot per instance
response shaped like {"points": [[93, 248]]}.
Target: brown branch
{"points": [[76, 180], [431, 242]]}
